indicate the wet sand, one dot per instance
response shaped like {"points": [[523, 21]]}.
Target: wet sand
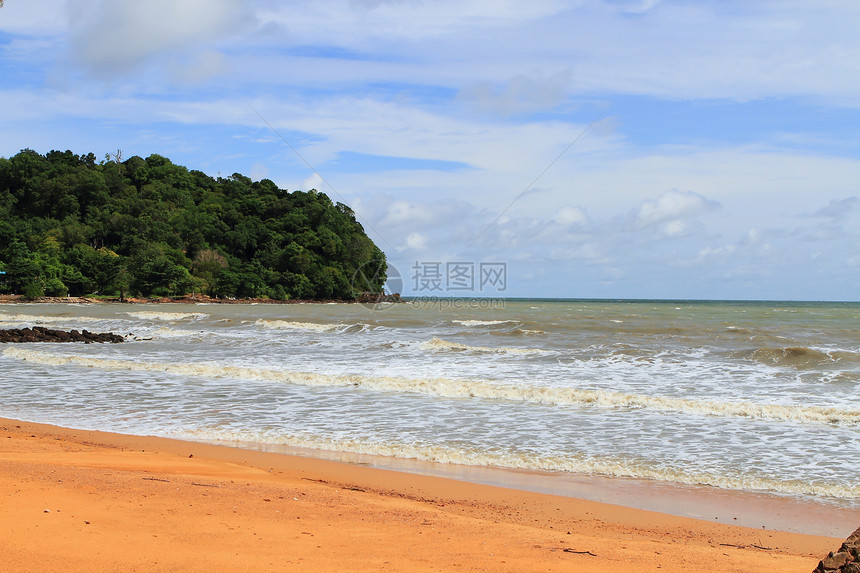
{"points": [[74, 500]]}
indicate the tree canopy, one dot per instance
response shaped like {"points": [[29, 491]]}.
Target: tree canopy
{"points": [[72, 225]]}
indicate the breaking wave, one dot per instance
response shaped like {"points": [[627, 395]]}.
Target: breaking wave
{"points": [[166, 332], [801, 357], [442, 345], [453, 388], [518, 332], [483, 322], [290, 325], [312, 326], [536, 462], [152, 315], [31, 319]]}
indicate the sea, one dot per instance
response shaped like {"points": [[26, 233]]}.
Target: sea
{"points": [[749, 397]]}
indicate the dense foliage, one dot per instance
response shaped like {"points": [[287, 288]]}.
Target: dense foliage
{"points": [[72, 225]]}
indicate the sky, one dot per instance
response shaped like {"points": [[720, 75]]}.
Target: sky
{"points": [[670, 149]]}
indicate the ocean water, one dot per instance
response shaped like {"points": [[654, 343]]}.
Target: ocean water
{"points": [[750, 396]]}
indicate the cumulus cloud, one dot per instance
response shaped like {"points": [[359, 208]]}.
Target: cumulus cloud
{"points": [[520, 94], [753, 237], [571, 216], [109, 38], [373, 4], [259, 171], [416, 241], [37, 18], [412, 216], [752, 243], [839, 208], [671, 209], [635, 6], [197, 68], [314, 181], [402, 212]]}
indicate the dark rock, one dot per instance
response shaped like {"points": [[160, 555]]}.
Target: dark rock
{"points": [[852, 545], [835, 561], [376, 298], [845, 560], [42, 334]]}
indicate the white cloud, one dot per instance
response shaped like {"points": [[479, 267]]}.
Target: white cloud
{"points": [[314, 181], [112, 38], [753, 237], [675, 50], [571, 216], [521, 94], [839, 208], [675, 228], [670, 208], [416, 241], [259, 171], [33, 18], [382, 77], [197, 67], [403, 213], [636, 6]]}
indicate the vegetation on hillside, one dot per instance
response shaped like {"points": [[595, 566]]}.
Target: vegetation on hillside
{"points": [[72, 225]]}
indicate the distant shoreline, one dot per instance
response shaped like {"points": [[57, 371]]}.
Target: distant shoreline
{"points": [[188, 299], [203, 299]]}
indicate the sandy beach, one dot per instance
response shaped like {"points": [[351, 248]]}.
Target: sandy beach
{"points": [[94, 501]]}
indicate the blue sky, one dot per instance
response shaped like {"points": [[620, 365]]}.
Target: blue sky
{"points": [[626, 148]]}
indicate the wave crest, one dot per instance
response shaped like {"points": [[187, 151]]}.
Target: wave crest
{"points": [[452, 388], [801, 357], [312, 326], [606, 466], [483, 322], [29, 318], [166, 316], [443, 345]]}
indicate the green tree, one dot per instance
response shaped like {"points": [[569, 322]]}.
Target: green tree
{"points": [[153, 273], [208, 266], [70, 223], [21, 268]]}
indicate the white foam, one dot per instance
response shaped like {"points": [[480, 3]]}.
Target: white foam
{"points": [[483, 322], [453, 388], [166, 332], [33, 319], [291, 325], [442, 345], [152, 315], [602, 465]]}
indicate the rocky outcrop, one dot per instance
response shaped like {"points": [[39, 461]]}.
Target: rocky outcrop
{"points": [[376, 298], [846, 560], [42, 334]]}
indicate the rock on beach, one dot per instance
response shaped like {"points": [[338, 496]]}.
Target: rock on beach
{"points": [[845, 560], [42, 334]]}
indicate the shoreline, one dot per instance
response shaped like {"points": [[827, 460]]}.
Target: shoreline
{"points": [[92, 500], [186, 299], [756, 509]]}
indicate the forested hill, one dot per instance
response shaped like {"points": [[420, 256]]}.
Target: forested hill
{"points": [[72, 225]]}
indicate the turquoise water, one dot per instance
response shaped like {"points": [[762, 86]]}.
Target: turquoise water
{"points": [[751, 396]]}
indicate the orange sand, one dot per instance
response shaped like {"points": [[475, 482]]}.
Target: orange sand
{"points": [[92, 501]]}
